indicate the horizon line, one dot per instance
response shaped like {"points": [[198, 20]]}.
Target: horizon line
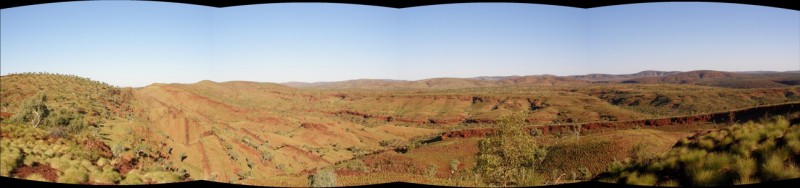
{"points": [[400, 80]]}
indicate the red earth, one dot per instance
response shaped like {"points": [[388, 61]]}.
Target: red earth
{"points": [[49, 173]]}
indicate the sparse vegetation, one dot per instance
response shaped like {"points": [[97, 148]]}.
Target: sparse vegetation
{"points": [[103, 134]]}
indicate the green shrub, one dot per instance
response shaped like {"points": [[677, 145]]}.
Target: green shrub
{"points": [[703, 177], [36, 177], [500, 163], [706, 144], [774, 168], [323, 178], [49, 153], [745, 168], [106, 177], [536, 132], [411, 146], [133, 177], [102, 162], [717, 160], [117, 148], [357, 164], [28, 161], [669, 183], [266, 155], [643, 179], [740, 154], [73, 176], [11, 159], [33, 110]]}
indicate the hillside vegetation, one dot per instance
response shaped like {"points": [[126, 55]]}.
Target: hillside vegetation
{"points": [[66, 94], [667, 100], [740, 154], [724, 79], [57, 130]]}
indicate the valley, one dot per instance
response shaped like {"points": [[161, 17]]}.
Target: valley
{"points": [[368, 131]]}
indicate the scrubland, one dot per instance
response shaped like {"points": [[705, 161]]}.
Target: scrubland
{"points": [[68, 129]]}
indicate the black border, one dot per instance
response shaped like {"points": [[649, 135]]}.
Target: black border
{"points": [[416, 3], [14, 182]]}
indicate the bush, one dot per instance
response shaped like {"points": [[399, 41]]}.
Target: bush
{"points": [[669, 183], [117, 148], [132, 178], [73, 176], [11, 159], [740, 154], [410, 147], [357, 165], [508, 156], [390, 143], [644, 179], [745, 168], [775, 169], [323, 178], [67, 121], [536, 132], [107, 177], [36, 177], [33, 110], [266, 155], [102, 162]]}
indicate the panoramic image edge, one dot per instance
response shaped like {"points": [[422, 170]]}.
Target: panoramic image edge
{"points": [[676, 94]]}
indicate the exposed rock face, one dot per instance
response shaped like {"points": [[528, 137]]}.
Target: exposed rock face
{"points": [[49, 173]]}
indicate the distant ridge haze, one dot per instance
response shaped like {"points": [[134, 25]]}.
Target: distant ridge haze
{"points": [[702, 77]]}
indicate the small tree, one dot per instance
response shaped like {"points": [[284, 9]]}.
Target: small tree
{"points": [[33, 110], [509, 157], [323, 178]]}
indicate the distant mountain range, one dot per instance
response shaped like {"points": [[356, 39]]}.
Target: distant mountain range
{"points": [[748, 79], [619, 77]]}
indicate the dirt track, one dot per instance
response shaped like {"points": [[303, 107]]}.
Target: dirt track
{"points": [[735, 116]]}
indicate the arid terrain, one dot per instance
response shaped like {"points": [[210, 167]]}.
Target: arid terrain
{"points": [[69, 129]]}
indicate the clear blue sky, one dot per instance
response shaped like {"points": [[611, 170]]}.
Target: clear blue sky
{"points": [[139, 43]]}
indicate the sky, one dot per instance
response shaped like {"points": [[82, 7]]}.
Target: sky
{"points": [[139, 43]]}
